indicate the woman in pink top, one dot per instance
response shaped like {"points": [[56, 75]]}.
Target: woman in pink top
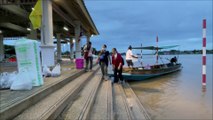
{"points": [[88, 56]]}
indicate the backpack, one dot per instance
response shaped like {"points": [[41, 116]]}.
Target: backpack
{"points": [[102, 57], [86, 55], [122, 61]]}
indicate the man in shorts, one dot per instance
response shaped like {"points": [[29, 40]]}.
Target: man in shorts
{"points": [[129, 57]]}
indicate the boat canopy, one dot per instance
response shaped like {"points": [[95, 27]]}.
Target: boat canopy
{"points": [[155, 48]]}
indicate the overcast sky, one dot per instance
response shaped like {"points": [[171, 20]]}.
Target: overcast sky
{"points": [[131, 22]]}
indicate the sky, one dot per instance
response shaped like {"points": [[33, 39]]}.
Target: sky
{"points": [[134, 22]]}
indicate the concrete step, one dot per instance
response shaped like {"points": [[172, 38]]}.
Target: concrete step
{"points": [[54, 103], [80, 108], [137, 110], [103, 104], [120, 106], [15, 102]]}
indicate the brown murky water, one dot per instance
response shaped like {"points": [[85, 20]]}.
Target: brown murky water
{"points": [[178, 95]]}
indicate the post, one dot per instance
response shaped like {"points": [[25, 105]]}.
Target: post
{"points": [[88, 37], [204, 54], [71, 47], [1, 47], [77, 40], [47, 47], [157, 50], [141, 55], [58, 37]]}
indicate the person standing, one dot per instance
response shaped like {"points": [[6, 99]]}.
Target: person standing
{"points": [[173, 60], [117, 65], [104, 60], [88, 56], [129, 57]]}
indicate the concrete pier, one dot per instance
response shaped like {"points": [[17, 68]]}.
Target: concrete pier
{"points": [[76, 94]]}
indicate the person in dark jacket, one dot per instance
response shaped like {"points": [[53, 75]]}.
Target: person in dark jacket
{"points": [[104, 60], [173, 61], [117, 65]]}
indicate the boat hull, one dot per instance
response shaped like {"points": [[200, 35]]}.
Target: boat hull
{"points": [[137, 74]]}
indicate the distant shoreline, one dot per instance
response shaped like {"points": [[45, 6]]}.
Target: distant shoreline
{"points": [[180, 54], [177, 52]]}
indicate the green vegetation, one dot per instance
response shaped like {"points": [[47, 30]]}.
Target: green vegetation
{"points": [[184, 52]]}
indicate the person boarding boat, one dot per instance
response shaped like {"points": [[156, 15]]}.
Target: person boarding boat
{"points": [[129, 57]]}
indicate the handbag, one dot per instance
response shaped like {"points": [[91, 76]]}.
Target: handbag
{"points": [[86, 55]]}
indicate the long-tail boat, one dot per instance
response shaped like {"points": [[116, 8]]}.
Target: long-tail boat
{"points": [[145, 72]]}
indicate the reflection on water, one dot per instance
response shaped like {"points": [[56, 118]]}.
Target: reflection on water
{"points": [[203, 88], [179, 95]]}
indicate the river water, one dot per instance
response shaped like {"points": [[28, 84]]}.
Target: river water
{"points": [[180, 95]]}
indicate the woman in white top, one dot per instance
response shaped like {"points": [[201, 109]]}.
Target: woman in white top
{"points": [[130, 56]]}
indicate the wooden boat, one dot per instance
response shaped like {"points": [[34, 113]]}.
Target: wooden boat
{"points": [[142, 73]]}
